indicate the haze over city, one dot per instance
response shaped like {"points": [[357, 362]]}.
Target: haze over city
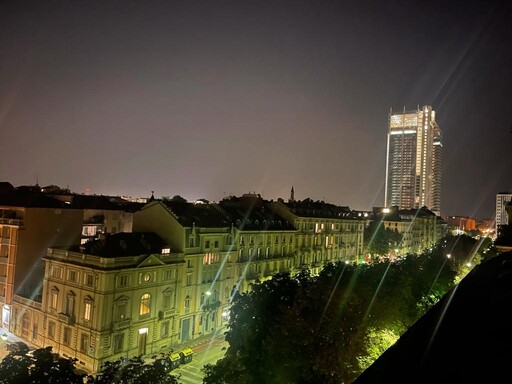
{"points": [[206, 99]]}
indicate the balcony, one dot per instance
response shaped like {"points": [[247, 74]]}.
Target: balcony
{"points": [[67, 319], [121, 324], [3, 279], [170, 312], [4, 259]]}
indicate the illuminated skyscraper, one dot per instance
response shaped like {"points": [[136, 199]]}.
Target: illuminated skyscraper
{"points": [[414, 160], [502, 199]]}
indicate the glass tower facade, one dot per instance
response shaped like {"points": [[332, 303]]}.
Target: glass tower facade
{"points": [[414, 160]]}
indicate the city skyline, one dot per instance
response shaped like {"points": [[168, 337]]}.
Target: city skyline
{"points": [[207, 100]]}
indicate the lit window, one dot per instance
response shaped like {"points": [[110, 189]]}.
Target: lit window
{"points": [[145, 303], [87, 310]]}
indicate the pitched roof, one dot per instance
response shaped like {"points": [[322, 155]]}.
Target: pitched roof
{"points": [[30, 200], [125, 244], [320, 209]]}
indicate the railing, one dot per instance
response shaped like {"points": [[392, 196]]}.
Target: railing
{"points": [[68, 319], [5, 221], [170, 312], [4, 259], [117, 325], [28, 302]]}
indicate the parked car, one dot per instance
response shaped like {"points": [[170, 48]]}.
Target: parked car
{"points": [[17, 347], [186, 355]]}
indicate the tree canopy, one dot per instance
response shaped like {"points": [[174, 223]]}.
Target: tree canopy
{"points": [[44, 367], [328, 328], [380, 240]]}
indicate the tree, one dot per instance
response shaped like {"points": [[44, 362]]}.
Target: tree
{"points": [[135, 371], [380, 240], [41, 367], [44, 367], [327, 328]]}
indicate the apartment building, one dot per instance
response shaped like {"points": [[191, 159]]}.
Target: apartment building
{"points": [[420, 229], [325, 232], [29, 224]]}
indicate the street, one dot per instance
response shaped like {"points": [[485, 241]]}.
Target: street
{"points": [[207, 353]]}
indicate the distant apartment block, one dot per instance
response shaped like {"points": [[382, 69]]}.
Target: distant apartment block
{"points": [[420, 229], [460, 224], [502, 218]]}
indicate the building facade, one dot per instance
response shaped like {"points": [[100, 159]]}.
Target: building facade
{"points": [[103, 303], [325, 232], [502, 218], [414, 160], [28, 226], [419, 229], [172, 280]]}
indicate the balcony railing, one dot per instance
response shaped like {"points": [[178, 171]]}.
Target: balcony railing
{"points": [[121, 324], [67, 319], [17, 222], [170, 312]]}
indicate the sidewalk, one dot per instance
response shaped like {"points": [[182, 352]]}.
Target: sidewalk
{"points": [[7, 337]]}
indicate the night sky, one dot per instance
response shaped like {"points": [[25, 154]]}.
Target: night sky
{"points": [[209, 98]]}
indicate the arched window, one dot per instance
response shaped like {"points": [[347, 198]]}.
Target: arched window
{"points": [[145, 304]]}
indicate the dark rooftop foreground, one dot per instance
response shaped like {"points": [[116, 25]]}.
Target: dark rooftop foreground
{"points": [[465, 338]]}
